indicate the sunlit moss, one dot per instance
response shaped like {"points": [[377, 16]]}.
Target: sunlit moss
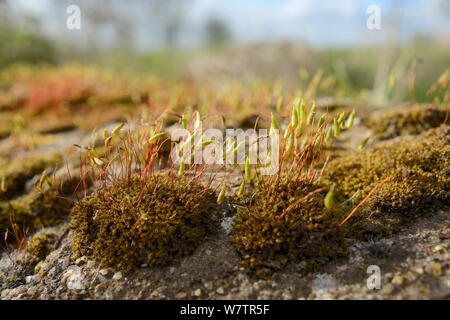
{"points": [[399, 122], [34, 211], [154, 221], [266, 230], [419, 180], [19, 171], [41, 243]]}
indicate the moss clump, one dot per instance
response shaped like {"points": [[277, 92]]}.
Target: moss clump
{"points": [[35, 210], [400, 122], [124, 227], [308, 231], [41, 244], [419, 183], [19, 171]]}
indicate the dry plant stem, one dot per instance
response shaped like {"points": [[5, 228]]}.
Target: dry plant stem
{"points": [[365, 199], [299, 201]]}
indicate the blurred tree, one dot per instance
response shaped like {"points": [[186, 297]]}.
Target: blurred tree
{"points": [[21, 41], [170, 15], [217, 33]]}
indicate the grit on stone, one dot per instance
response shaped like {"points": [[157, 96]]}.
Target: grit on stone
{"points": [[414, 264]]}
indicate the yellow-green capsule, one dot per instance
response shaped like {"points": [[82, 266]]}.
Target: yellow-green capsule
{"points": [[302, 111], [45, 179], [235, 151], [117, 129], [336, 128], [300, 128], [248, 172], [273, 122], [363, 144], [241, 189], [351, 119], [341, 118], [3, 184], [105, 134], [329, 201], [184, 121], [280, 104], [287, 132], [318, 142], [290, 144], [182, 168], [294, 118], [328, 135], [297, 103], [321, 121], [221, 195], [207, 142], [311, 115], [98, 161], [230, 148], [156, 137], [198, 121]]}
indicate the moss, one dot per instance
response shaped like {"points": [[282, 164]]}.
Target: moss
{"points": [[34, 211], [419, 183], [306, 232], [116, 227], [41, 244], [19, 171], [409, 121]]}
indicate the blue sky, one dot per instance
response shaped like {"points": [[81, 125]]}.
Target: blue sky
{"points": [[316, 22]]}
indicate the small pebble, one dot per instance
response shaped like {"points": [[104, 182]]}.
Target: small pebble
{"points": [[181, 295], [117, 275], [28, 279], [31, 291], [220, 290], [398, 280], [197, 293], [80, 261], [104, 272]]}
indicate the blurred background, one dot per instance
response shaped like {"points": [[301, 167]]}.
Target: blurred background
{"points": [[210, 40]]}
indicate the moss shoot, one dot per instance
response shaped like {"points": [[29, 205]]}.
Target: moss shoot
{"points": [[151, 221]]}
